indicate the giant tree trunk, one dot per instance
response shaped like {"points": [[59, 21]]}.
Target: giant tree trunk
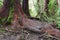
{"points": [[18, 16]]}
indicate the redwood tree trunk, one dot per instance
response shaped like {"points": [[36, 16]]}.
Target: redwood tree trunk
{"points": [[18, 14]]}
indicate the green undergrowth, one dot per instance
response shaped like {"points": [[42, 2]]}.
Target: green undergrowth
{"points": [[35, 9]]}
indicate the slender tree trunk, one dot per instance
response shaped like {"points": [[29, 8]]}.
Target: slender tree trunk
{"points": [[58, 3], [25, 7], [46, 6]]}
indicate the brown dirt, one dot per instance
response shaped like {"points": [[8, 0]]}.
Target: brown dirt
{"points": [[24, 35]]}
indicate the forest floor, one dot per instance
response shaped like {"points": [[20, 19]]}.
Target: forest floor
{"points": [[9, 34]]}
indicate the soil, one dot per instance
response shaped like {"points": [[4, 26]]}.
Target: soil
{"points": [[10, 34]]}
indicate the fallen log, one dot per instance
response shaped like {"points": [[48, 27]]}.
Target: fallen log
{"points": [[39, 27]]}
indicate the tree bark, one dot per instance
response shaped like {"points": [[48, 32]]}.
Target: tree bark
{"points": [[25, 7], [4, 10], [46, 6], [18, 14]]}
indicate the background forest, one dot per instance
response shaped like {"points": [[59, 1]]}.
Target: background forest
{"points": [[45, 10], [30, 19]]}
